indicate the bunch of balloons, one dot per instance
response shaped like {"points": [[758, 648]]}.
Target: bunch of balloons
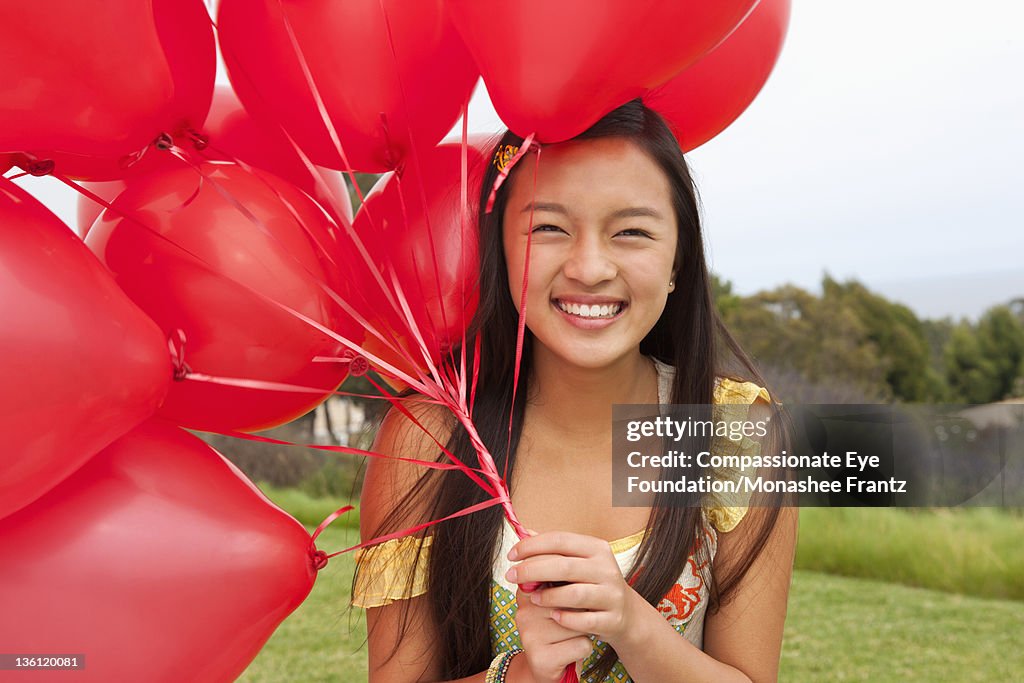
{"points": [[219, 281]]}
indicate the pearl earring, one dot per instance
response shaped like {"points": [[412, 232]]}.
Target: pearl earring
{"points": [[672, 285]]}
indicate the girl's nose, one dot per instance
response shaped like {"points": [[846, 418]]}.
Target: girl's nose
{"points": [[589, 262]]}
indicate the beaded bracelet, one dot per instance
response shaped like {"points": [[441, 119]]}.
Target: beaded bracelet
{"points": [[498, 669]]}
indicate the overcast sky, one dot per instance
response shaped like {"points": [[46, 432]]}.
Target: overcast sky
{"points": [[885, 147]]}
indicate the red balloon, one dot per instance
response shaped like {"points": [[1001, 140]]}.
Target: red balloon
{"points": [[232, 134], [389, 82], [81, 364], [157, 561], [230, 330], [87, 85], [706, 98], [412, 224], [555, 68]]}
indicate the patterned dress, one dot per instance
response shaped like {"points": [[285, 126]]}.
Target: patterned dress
{"points": [[390, 571]]}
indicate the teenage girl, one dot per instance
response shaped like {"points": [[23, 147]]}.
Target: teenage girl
{"points": [[619, 310]]}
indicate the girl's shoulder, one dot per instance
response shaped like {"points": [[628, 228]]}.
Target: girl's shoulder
{"points": [[728, 390], [396, 569]]}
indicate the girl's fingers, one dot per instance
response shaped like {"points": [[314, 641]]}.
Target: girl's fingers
{"points": [[570, 651], [560, 568], [584, 621], [558, 543], [571, 596], [540, 620]]}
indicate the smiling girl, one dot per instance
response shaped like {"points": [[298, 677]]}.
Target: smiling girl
{"points": [[618, 311]]}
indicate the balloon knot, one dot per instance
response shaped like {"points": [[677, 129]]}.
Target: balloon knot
{"points": [[358, 366], [319, 558], [39, 167], [163, 141], [199, 140], [176, 346]]}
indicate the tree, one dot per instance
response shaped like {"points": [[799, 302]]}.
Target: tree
{"points": [[972, 376], [1001, 341], [804, 345], [898, 336], [985, 363]]}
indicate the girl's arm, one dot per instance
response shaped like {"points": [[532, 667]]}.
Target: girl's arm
{"points": [[743, 639], [747, 631], [385, 483], [415, 658]]}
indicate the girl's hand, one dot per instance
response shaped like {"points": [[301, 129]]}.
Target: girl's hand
{"points": [[548, 647], [590, 594]]}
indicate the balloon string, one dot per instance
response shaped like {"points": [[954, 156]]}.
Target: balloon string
{"points": [[414, 159], [476, 374], [332, 132], [176, 347], [410, 321], [420, 527], [328, 123], [319, 557], [390, 342], [349, 450], [414, 328], [293, 212], [431, 389], [521, 323], [471, 472], [347, 343], [463, 230], [261, 385], [397, 403], [325, 116], [238, 71], [336, 141]]}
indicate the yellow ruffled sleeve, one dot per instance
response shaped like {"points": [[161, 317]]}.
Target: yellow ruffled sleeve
{"points": [[733, 400], [393, 570]]}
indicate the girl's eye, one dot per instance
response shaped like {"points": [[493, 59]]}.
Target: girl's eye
{"points": [[634, 232], [547, 228]]}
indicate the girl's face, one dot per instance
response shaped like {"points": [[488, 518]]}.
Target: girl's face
{"points": [[602, 248]]}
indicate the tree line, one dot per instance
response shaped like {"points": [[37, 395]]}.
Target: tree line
{"points": [[852, 345]]}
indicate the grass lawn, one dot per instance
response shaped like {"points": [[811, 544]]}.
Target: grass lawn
{"points": [[973, 551], [845, 629], [838, 629]]}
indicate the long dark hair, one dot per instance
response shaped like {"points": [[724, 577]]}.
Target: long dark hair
{"points": [[687, 336]]}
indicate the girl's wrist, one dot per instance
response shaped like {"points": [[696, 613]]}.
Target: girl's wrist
{"points": [[638, 612], [509, 667]]}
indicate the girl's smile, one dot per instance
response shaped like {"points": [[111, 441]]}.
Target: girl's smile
{"points": [[590, 313]]}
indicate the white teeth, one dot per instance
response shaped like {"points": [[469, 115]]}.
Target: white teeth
{"points": [[591, 311]]}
